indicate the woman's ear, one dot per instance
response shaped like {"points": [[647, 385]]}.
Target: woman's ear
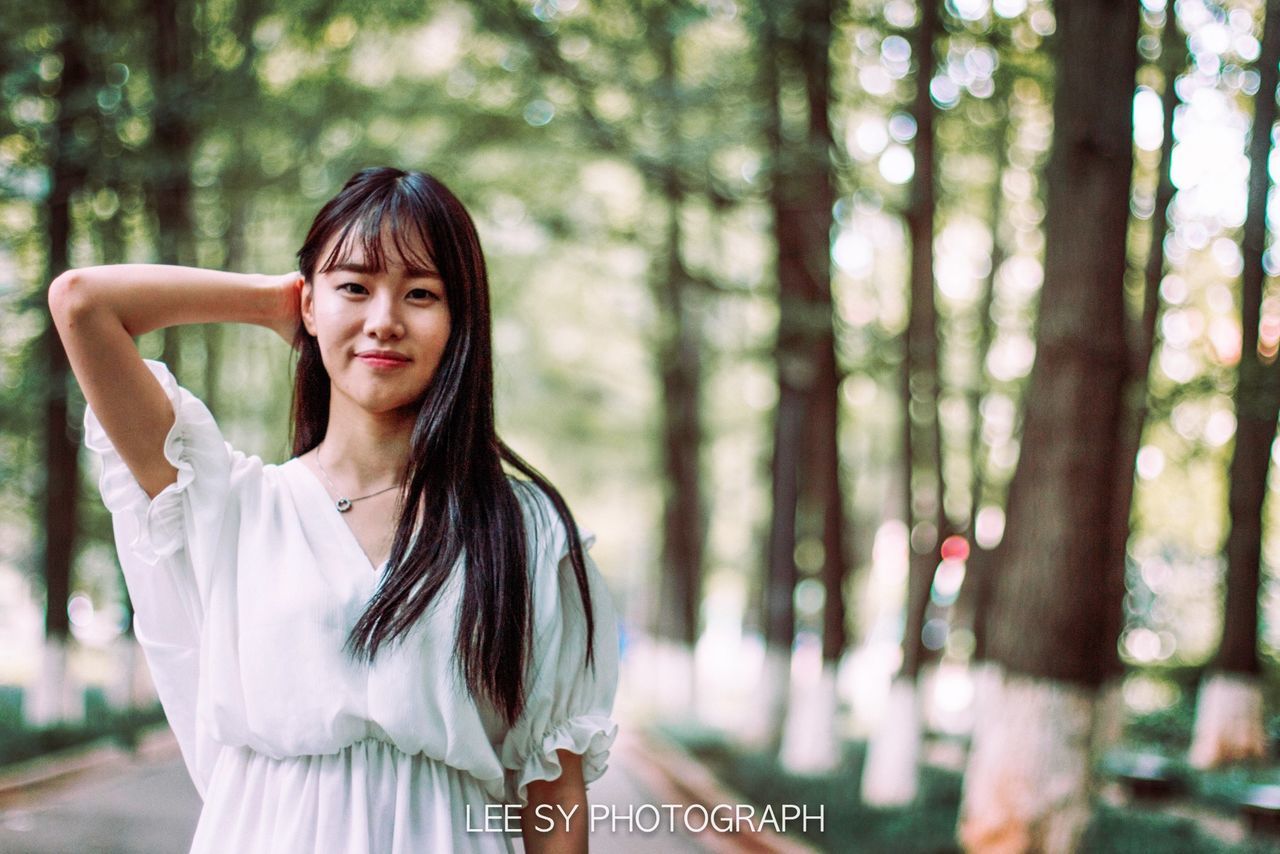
{"points": [[307, 306]]}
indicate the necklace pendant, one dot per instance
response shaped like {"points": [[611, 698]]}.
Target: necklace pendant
{"points": [[343, 505]]}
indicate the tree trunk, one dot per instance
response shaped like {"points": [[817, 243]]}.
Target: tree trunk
{"points": [[813, 746], [1229, 712], [173, 138], [1028, 784], [679, 356], [801, 196], [56, 697], [789, 415], [890, 776], [921, 434]]}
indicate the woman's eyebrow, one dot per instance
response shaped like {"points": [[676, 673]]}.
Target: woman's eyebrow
{"points": [[412, 272], [352, 267]]}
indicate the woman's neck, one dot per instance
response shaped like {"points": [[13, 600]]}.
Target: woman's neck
{"points": [[364, 451]]}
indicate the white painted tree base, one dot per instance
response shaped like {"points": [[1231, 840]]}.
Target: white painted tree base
{"points": [[1109, 717], [891, 774], [1027, 786], [809, 744], [56, 696], [658, 680], [762, 730], [675, 663], [130, 686], [987, 678], [1229, 726]]}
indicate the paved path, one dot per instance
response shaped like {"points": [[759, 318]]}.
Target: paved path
{"points": [[149, 806], [138, 807]]}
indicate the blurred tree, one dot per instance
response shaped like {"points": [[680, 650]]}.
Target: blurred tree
{"points": [[68, 153], [175, 125], [793, 46], [679, 365], [794, 375], [808, 485], [890, 775], [1229, 710], [1050, 592]]}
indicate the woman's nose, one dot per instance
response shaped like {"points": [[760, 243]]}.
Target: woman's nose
{"points": [[383, 318]]}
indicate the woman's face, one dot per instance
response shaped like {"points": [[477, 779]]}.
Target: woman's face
{"points": [[355, 312]]}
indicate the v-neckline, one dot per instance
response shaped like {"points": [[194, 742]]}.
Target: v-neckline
{"points": [[340, 522]]}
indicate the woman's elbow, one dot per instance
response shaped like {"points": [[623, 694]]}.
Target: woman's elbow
{"points": [[68, 295]]}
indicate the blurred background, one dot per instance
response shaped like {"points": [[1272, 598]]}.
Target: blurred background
{"points": [[914, 363]]}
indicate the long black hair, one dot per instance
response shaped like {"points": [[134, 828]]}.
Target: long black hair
{"points": [[455, 471]]}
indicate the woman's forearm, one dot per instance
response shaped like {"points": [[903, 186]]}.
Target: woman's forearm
{"points": [[152, 296], [561, 828]]}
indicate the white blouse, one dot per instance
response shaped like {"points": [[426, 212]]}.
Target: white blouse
{"points": [[245, 583]]}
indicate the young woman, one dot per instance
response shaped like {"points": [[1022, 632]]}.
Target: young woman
{"points": [[376, 645]]}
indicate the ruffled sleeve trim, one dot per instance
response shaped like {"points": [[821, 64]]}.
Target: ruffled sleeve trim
{"points": [[590, 736], [159, 529]]}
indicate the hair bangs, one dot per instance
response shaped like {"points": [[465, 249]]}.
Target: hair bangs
{"points": [[405, 215], [409, 216]]}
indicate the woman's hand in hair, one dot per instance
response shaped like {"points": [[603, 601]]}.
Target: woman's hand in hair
{"points": [[286, 318]]}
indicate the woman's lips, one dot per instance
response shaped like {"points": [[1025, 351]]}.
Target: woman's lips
{"points": [[382, 361]]}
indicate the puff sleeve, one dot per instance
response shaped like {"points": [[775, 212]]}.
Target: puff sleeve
{"points": [[167, 548], [569, 706]]}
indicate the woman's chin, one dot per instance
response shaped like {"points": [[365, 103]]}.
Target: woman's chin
{"points": [[381, 401]]}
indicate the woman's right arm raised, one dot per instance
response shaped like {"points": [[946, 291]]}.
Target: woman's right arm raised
{"points": [[98, 311]]}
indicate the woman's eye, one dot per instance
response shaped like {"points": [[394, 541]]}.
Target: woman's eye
{"points": [[422, 293], [350, 285]]}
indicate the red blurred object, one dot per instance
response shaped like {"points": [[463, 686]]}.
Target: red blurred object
{"points": [[955, 547]]}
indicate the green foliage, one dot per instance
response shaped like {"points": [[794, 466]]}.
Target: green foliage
{"points": [[20, 742], [1168, 729], [924, 828], [1127, 831], [929, 824]]}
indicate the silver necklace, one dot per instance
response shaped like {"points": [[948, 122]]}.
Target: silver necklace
{"points": [[343, 503]]}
